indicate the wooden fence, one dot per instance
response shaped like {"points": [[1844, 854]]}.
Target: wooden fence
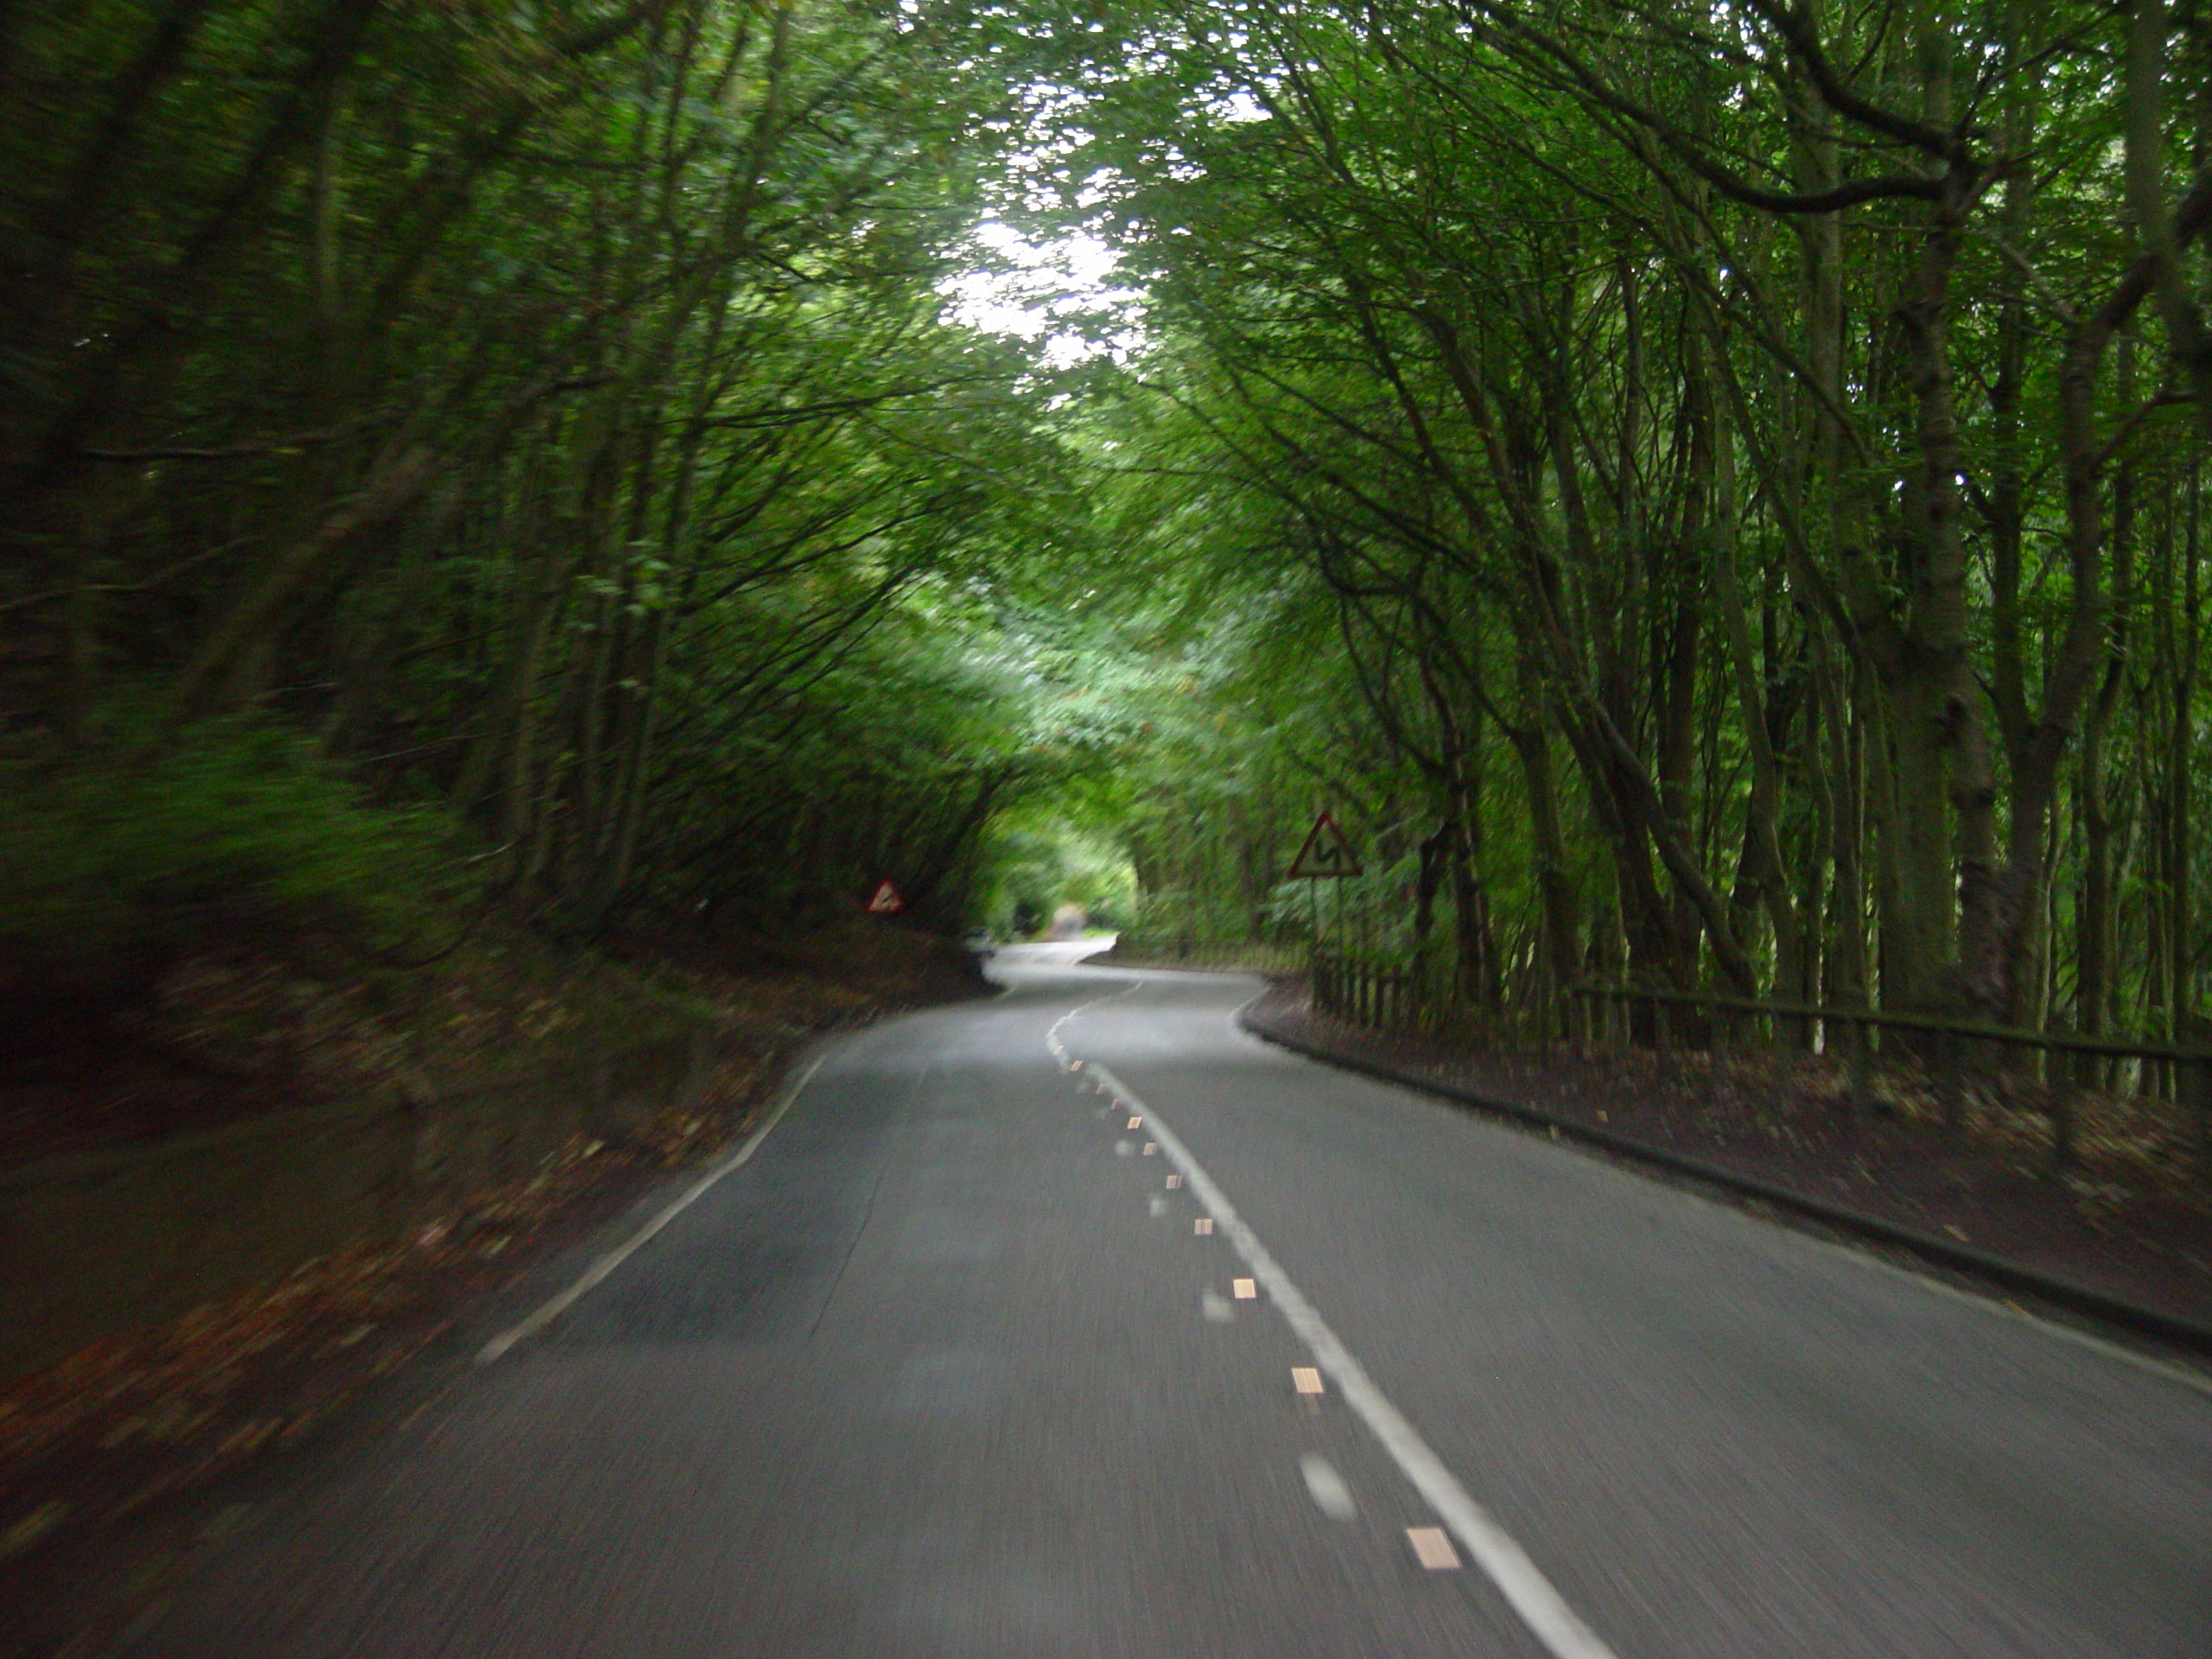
{"points": [[1411, 997], [1946, 1054]]}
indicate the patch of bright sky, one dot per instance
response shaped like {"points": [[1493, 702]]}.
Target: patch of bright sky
{"points": [[1060, 291]]}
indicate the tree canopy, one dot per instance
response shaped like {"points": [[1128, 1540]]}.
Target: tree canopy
{"points": [[1711, 495]]}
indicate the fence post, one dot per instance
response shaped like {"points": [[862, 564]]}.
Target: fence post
{"points": [[1716, 1052], [1950, 1079], [2061, 1126], [2196, 1087], [1858, 1069]]}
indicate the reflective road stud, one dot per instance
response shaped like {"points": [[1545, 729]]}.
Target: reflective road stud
{"points": [[1431, 1548]]}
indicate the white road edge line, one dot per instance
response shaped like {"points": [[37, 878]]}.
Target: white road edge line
{"points": [[596, 1274], [1992, 1302], [1998, 1305], [1524, 1587]]}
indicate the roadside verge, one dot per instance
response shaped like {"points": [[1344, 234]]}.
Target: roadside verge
{"points": [[336, 1265]]}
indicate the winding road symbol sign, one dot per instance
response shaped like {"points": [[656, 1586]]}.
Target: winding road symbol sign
{"points": [[1326, 854], [886, 901]]}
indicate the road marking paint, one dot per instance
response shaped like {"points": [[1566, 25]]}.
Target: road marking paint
{"points": [[1244, 1289], [1525, 1588], [1136, 1122], [1861, 1255], [1174, 1181], [1431, 1548], [1216, 1307], [1305, 1379], [595, 1274], [1330, 1496], [1152, 1148], [1203, 1226], [2006, 1309]]}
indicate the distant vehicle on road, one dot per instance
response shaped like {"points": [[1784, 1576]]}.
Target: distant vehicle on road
{"points": [[1069, 922]]}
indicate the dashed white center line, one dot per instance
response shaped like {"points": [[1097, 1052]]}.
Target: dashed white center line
{"points": [[1306, 1379], [1174, 1181], [1330, 1496], [1244, 1289], [1136, 1122], [1525, 1588], [1203, 1226]]}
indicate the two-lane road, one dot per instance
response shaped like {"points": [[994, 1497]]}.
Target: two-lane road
{"points": [[1003, 1342]]}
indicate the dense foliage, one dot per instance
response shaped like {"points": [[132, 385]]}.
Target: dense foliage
{"points": [[1755, 457], [549, 412], [1708, 494]]}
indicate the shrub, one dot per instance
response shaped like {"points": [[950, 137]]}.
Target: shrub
{"points": [[126, 855]]}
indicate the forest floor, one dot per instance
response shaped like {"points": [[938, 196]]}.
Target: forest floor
{"points": [[2131, 1220], [113, 1463], [265, 1024]]}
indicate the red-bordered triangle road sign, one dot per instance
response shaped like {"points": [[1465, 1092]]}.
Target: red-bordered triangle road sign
{"points": [[1327, 854], [886, 901]]}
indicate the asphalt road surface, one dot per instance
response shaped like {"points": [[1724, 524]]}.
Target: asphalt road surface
{"points": [[957, 1364]]}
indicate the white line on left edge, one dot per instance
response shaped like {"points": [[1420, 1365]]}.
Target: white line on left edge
{"points": [[594, 1274], [1542, 1608]]}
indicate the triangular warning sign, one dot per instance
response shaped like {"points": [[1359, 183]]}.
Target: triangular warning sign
{"points": [[1326, 854], [886, 901]]}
